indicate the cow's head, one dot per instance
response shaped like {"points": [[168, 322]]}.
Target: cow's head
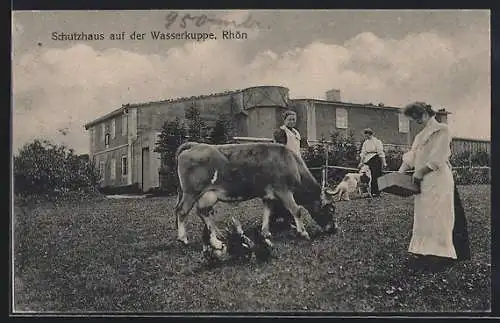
{"points": [[238, 243], [323, 211]]}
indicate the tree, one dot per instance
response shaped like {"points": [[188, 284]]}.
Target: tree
{"points": [[45, 169], [197, 128], [173, 134], [221, 133]]}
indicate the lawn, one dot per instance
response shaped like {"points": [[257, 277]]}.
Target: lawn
{"points": [[121, 255]]}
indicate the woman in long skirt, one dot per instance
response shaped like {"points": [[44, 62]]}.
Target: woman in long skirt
{"points": [[439, 226], [373, 155]]}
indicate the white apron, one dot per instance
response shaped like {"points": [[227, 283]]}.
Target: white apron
{"points": [[434, 209], [292, 139]]}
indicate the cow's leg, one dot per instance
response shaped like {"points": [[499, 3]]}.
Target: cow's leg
{"points": [[296, 210], [205, 211], [184, 205], [268, 204]]}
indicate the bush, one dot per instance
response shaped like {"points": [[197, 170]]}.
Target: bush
{"points": [[394, 158], [222, 131], [46, 170], [342, 151], [467, 158], [472, 176], [172, 135]]}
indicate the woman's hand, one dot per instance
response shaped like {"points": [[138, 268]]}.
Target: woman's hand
{"points": [[402, 168], [417, 178]]}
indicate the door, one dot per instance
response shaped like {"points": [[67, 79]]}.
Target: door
{"points": [[145, 169]]}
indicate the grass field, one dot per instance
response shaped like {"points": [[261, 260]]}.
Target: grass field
{"points": [[121, 255]]}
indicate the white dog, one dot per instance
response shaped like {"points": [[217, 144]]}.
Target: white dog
{"points": [[352, 182]]}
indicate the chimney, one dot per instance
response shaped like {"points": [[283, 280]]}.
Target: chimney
{"points": [[333, 95]]}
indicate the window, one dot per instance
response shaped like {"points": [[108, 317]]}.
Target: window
{"points": [[113, 169], [341, 118], [106, 140], [102, 170], [124, 165], [124, 125], [404, 123], [113, 129], [103, 131]]}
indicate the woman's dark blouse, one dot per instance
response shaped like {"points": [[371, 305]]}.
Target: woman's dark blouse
{"points": [[280, 137]]}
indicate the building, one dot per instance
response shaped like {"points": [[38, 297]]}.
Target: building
{"points": [[122, 142]]}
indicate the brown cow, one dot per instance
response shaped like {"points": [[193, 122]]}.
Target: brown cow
{"points": [[239, 172]]}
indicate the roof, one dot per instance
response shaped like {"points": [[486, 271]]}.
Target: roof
{"points": [[348, 104], [145, 104], [106, 116], [180, 99], [359, 105]]}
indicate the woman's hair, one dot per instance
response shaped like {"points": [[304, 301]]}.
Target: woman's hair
{"points": [[417, 109], [368, 131], [288, 113]]}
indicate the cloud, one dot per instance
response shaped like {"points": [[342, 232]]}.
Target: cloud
{"points": [[58, 89]]}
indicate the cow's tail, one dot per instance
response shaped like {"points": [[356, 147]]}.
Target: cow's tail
{"points": [[180, 149], [183, 147]]}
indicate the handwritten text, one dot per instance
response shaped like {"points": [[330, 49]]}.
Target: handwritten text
{"points": [[186, 20]]}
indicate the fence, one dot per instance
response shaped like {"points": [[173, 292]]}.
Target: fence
{"points": [[472, 146]]}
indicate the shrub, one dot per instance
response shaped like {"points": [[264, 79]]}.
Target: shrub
{"points": [[342, 151], [466, 158], [481, 158], [172, 135], [472, 176], [394, 158], [47, 170], [222, 131]]}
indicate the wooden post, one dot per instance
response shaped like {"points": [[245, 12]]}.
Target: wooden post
{"points": [[326, 163]]}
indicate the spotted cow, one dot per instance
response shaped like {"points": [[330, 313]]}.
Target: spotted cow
{"points": [[239, 172]]}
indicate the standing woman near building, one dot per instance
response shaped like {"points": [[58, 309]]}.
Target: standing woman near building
{"points": [[372, 154], [439, 225], [288, 135]]}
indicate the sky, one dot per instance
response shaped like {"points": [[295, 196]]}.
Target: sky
{"points": [[391, 57]]}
